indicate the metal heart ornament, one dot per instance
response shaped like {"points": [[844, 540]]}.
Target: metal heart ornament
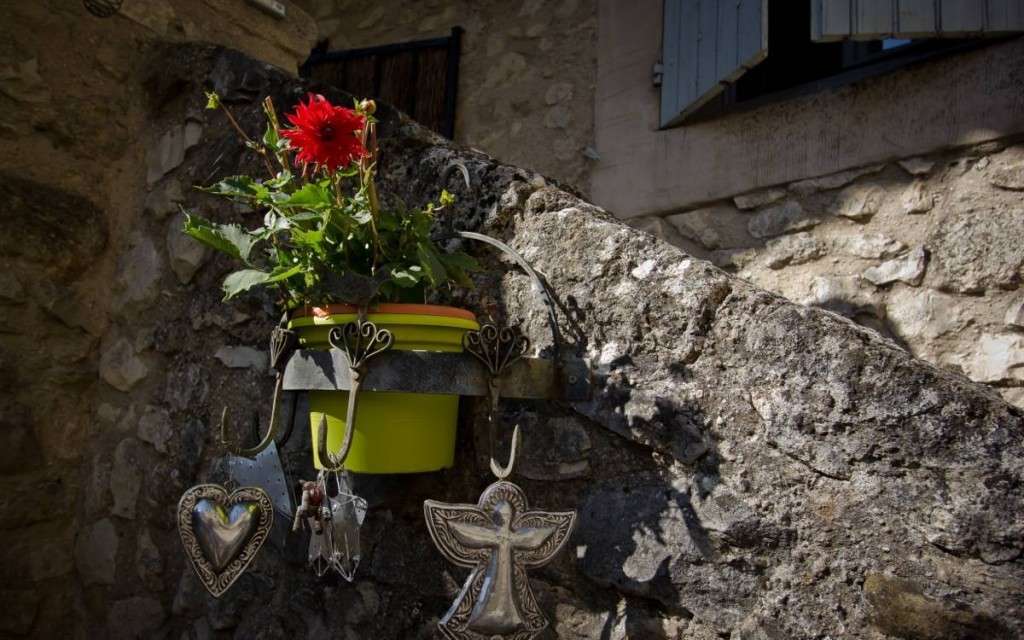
{"points": [[223, 532]]}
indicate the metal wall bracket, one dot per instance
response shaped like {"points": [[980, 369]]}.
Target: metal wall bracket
{"points": [[435, 372]]}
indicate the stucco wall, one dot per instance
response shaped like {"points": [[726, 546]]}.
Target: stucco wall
{"points": [[526, 75], [961, 99]]}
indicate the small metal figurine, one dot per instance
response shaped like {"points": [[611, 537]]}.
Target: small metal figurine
{"points": [[500, 539], [335, 523], [311, 507]]}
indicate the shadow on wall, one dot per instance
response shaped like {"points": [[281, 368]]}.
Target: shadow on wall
{"points": [[870, 316], [669, 537]]}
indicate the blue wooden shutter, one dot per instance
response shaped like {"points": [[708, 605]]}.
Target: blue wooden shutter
{"points": [[708, 44], [833, 20]]}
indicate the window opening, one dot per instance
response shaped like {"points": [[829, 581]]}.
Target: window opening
{"points": [[796, 65], [419, 78]]}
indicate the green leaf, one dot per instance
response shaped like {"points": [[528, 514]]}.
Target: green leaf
{"points": [[303, 216], [282, 180], [311, 195], [428, 259], [460, 260], [226, 238], [407, 277], [235, 186], [271, 137], [212, 100], [363, 216], [312, 238], [246, 279]]}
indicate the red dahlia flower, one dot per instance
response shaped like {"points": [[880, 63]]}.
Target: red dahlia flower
{"points": [[325, 135]]}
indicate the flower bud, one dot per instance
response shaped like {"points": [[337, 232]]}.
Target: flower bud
{"points": [[368, 107]]}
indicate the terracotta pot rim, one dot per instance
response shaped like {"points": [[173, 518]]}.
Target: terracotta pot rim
{"points": [[323, 310]]}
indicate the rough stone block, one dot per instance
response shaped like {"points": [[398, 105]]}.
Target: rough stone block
{"points": [[155, 428], [165, 154], [186, 254], [792, 250], [859, 202], [241, 357], [979, 251], [833, 181], [21, 608], [121, 368], [96, 553], [126, 477], [777, 220], [923, 313], [139, 269], [909, 269], [917, 198], [871, 246], [1014, 315], [997, 357], [1010, 178], [716, 227], [164, 200], [917, 166], [756, 199], [135, 617], [22, 83]]}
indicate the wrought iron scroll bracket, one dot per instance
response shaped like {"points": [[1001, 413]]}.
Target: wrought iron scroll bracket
{"points": [[496, 349], [282, 343], [360, 341], [539, 282]]}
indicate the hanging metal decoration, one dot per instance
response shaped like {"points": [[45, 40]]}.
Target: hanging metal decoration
{"points": [[334, 522], [222, 532], [499, 537], [264, 471]]}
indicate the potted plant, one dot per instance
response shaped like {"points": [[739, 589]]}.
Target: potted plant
{"points": [[329, 249]]}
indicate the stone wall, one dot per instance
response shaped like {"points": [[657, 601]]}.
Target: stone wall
{"points": [[78, 267], [747, 467], [924, 250], [526, 74], [908, 247]]}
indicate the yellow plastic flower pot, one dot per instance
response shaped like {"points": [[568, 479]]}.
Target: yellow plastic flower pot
{"points": [[394, 432]]}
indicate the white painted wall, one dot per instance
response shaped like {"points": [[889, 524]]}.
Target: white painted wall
{"points": [[962, 99]]}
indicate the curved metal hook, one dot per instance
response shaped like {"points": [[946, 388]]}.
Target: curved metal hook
{"points": [[268, 437], [360, 341], [331, 462], [452, 168], [506, 471], [538, 282], [282, 341], [449, 221]]}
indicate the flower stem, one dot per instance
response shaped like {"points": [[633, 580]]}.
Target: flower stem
{"points": [[367, 169], [248, 141]]}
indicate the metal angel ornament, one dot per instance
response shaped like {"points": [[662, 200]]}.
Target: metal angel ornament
{"points": [[500, 538]]}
